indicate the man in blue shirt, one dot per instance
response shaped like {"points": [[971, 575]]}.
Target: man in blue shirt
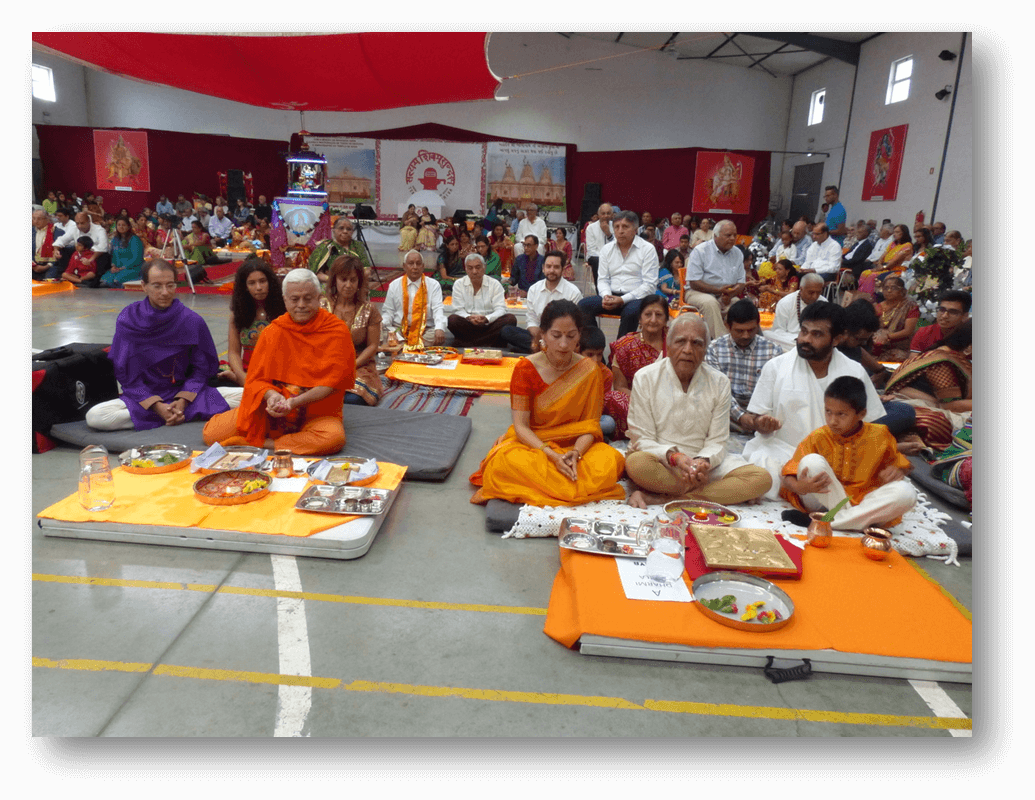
{"points": [[837, 217]]}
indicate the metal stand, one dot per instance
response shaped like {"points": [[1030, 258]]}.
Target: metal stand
{"points": [[370, 256], [178, 252]]}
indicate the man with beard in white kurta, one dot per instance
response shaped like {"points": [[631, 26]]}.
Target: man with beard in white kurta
{"points": [[787, 404]]}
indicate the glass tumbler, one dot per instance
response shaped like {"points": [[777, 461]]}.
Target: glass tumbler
{"points": [[665, 554], [96, 483]]}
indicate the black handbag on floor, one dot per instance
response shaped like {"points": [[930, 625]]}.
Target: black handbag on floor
{"points": [[66, 381]]}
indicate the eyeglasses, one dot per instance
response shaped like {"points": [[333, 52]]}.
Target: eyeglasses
{"points": [[949, 312]]}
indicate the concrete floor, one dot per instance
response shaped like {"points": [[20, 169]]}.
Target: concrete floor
{"points": [[104, 651]]}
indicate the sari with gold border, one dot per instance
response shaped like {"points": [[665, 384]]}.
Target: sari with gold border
{"points": [[559, 413]]}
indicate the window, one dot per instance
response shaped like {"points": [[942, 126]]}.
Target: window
{"points": [[816, 106], [43, 83], [898, 81]]}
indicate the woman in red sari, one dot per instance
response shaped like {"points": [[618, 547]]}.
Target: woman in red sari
{"points": [[554, 454], [501, 244], [632, 353]]}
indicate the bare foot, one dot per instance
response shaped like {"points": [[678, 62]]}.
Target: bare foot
{"points": [[636, 500]]}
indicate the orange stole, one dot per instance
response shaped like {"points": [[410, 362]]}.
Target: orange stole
{"points": [[413, 320], [559, 413]]}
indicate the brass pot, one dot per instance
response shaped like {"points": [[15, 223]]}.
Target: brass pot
{"points": [[819, 533], [876, 543]]}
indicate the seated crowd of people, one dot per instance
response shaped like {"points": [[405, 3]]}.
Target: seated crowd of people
{"points": [[76, 240], [829, 418]]}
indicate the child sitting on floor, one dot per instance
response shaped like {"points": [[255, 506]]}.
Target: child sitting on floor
{"points": [[848, 457], [591, 345], [81, 265]]}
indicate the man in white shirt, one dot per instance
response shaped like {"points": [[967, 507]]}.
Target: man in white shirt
{"points": [[787, 404], [598, 234], [786, 318], [219, 225], [714, 276], [186, 222], [628, 273], [479, 306], [881, 244], [552, 287], [84, 226], [532, 224], [405, 312], [824, 254], [679, 425]]}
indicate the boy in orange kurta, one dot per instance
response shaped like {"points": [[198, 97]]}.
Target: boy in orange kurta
{"points": [[849, 457]]}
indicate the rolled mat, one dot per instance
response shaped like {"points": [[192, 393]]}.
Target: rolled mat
{"points": [[843, 602], [168, 499]]}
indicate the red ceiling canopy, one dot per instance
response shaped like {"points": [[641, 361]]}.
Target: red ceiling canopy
{"points": [[307, 72]]}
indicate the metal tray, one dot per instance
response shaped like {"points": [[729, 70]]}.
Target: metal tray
{"points": [[153, 451], [348, 500], [717, 514], [427, 359], [602, 538], [344, 462], [746, 589], [238, 475]]}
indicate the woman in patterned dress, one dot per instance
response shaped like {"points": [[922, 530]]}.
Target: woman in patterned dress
{"points": [[257, 300], [347, 298]]}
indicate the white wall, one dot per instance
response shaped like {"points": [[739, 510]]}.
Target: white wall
{"points": [[927, 117], [70, 106]]}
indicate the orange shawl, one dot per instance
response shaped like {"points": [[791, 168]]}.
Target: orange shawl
{"points": [[319, 353], [413, 320]]}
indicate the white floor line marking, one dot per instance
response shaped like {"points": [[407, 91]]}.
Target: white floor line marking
{"points": [[940, 703], [293, 702]]}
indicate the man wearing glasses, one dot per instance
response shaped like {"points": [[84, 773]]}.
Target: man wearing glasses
{"points": [[953, 310]]}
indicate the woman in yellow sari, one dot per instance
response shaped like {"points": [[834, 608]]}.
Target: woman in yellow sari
{"points": [[554, 453]]}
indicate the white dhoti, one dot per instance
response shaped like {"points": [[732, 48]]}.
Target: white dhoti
{"points": [[878, 507], [112, 415]]}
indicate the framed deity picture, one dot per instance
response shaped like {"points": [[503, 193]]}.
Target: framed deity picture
{"points": [[884, 163]]}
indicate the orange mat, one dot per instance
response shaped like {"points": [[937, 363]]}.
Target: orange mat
{"points": [[516, 303], [483, 377], [39, 289], [168, 499], [843, 602]]}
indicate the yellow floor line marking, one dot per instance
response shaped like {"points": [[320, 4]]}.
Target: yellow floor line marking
{"points": [[949, 595], [315, 596], [505, 696]]}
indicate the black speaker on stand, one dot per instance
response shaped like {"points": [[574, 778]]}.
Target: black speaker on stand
{"points": [[590, 203], [234, 188]]}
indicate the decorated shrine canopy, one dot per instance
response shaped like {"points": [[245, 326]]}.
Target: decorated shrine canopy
{"points": [[360, 72]]}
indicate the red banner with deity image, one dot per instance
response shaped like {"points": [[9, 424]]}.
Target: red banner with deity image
{"points": [[121, 161], [722, 184], [884, 163]]}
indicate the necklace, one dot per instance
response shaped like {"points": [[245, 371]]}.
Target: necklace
{"points": [[556, 368]]}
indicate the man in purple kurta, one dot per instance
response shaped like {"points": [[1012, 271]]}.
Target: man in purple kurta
{"points": [[164, 356]]}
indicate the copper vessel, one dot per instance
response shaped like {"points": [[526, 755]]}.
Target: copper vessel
{"points": [[819, 533], [283, 465], [876, 543]]}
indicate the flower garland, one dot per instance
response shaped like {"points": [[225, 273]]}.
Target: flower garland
{"points": [[933, 272]]}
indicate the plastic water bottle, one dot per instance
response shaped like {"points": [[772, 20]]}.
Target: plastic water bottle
{"points": [[96, 483]]}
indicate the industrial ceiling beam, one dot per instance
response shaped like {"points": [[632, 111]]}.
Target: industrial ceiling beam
{"points": [[848, 52]]}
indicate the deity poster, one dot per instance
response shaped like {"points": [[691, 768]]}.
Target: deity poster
{"points": [[722, 184], [121, 161], [884, 163]]}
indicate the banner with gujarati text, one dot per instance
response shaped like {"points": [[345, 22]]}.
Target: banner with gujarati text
{"points": [[722, 184], [121, 161]]}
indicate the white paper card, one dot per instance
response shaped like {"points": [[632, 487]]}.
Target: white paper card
{"points": [[296, 485], [637, 586], [799, 543], [451, 364]]}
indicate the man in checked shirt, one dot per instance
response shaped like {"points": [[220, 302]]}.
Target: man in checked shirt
{"points": [[740, 356]]}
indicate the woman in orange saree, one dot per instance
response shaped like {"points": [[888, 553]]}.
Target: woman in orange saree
{"points": [[554, 453]]}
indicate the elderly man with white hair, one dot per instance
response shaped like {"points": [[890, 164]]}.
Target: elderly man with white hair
{"points": [[301, 367], [479, 306], [679, 425], [532, 224], [413, 305], [787, 316], [715, 275]]}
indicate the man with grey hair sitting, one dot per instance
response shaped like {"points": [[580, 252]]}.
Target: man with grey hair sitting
{"points": [[301, 367], [715, 276], [628, 272], [479, 306], [679, 426], [787, 316]]}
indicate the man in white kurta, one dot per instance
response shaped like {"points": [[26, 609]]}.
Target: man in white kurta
{"points": [[787, 404], [679, 426], [396, 315], [788, 311]]}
